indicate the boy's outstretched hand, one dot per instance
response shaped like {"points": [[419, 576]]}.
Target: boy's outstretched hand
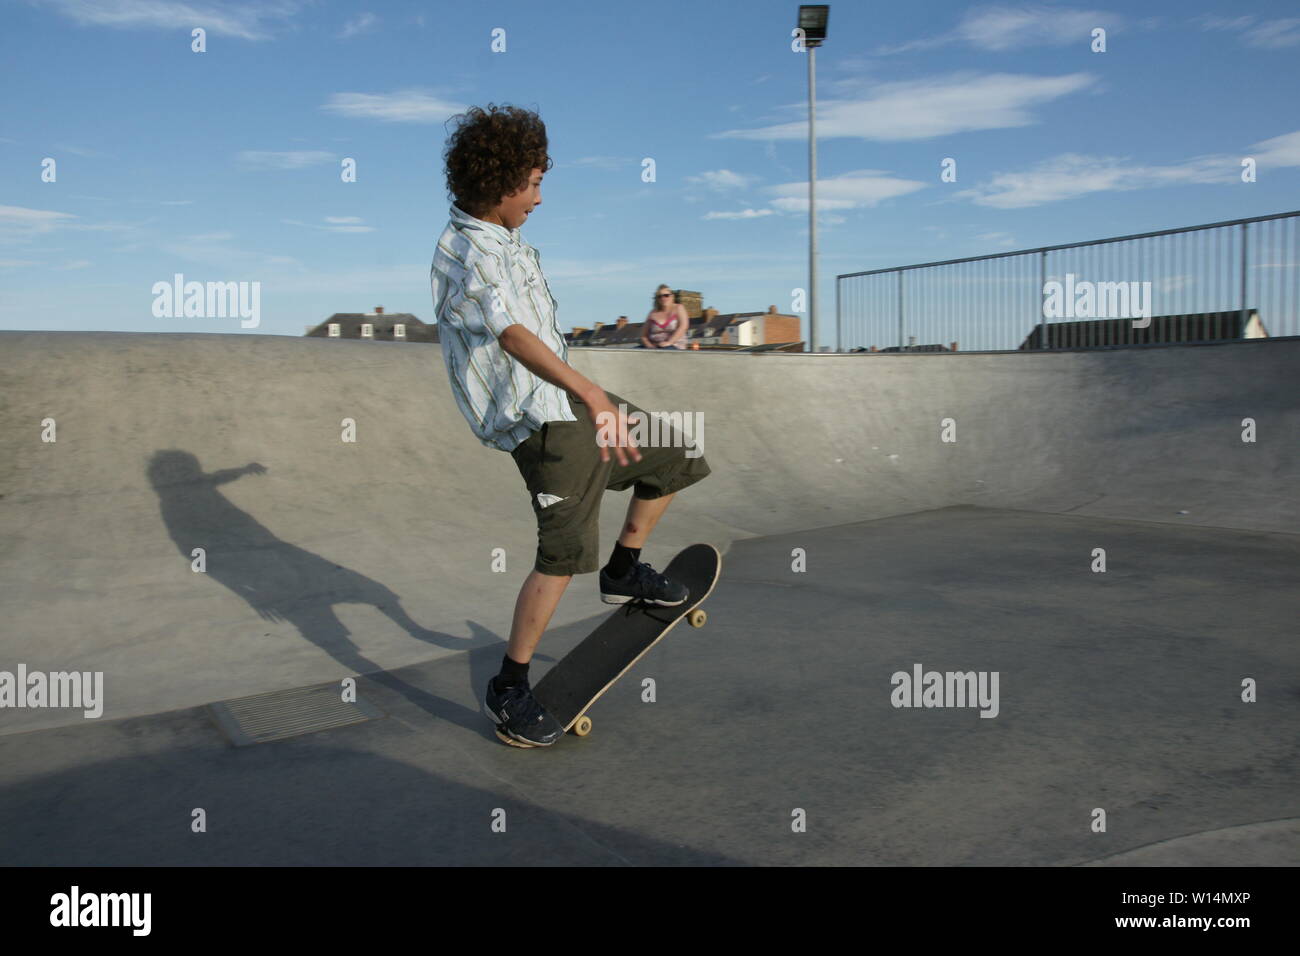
{"points": [[611, 430]]}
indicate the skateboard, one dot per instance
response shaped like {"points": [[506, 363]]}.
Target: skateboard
{"points": [[569, 688]]}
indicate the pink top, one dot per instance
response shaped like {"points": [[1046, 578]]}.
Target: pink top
{"points": [[660, 332]]}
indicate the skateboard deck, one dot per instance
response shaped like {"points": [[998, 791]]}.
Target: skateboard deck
{"points": [[578, 680]]}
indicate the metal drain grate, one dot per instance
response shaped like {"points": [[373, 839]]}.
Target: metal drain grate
{"points": [[289, 713]]}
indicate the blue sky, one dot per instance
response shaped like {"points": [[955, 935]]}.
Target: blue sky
{"points": [[224, 165]]}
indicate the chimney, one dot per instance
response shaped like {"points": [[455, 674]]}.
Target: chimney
{"points": [[710, 314], [597, 327], [622, 321], [579, 329], [771, 310], [954, 346], [379, 310]]}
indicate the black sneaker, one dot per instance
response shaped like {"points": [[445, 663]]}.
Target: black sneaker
{"points": [[642, 583], [519, 719]]}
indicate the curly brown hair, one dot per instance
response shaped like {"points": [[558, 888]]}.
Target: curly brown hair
{"points": [[490, 154]]}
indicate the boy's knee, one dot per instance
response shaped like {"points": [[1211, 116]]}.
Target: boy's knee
{"points": [[683, 473], [565, 556]]}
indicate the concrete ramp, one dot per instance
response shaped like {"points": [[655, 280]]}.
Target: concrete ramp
{"points": [[327, 557]]}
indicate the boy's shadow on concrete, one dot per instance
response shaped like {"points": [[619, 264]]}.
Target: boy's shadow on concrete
{"points": [[283, 582]]}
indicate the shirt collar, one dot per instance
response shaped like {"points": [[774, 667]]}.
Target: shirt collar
{"points": [[464, 220]]}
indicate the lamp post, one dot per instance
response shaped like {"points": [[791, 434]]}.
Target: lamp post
{"points": [[812, 21]]}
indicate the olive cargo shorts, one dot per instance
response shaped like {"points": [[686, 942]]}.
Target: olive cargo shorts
{"points": [[562, 460]]}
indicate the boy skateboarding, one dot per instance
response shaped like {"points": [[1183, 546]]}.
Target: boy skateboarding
{"points": [[508, 366]]}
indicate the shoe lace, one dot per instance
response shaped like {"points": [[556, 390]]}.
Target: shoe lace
{"points": [[648, 580], [521, 705]]}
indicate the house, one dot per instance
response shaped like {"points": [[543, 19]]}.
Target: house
{"points": [[377, 325]]}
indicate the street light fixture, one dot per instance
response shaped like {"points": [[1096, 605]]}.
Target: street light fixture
{"points": [[812, 23]]}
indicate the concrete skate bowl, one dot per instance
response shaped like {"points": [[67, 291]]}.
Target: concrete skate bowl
{"points": [[328, 556]]}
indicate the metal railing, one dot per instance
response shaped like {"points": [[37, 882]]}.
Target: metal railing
{"points": [[1222, 280]]}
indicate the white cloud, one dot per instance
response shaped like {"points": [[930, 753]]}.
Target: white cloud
{"points": [[214, 251], [19, 220], [743, 214], [359, 24], [721, 179], [332, 228], [79, 151], [861, 188], [855, 189], [1280, 151], [1002, 28], [1071, 175], [299, 159], [1266, 35], [1274, 35], [244, 21], [1210, 22], [926, 109], [602, 162], [104, 226], [403, 106]]}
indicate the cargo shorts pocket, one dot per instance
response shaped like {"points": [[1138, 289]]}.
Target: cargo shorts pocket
{"points": [[566, 537]]}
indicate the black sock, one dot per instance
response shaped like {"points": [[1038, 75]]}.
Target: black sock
{"points": [[621, 561], [512, 673]]}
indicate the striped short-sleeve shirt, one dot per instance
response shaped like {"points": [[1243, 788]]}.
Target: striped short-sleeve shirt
{"points": [[486, 278]]}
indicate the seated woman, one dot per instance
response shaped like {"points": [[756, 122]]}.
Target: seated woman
{"points": [[667, 323]]}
